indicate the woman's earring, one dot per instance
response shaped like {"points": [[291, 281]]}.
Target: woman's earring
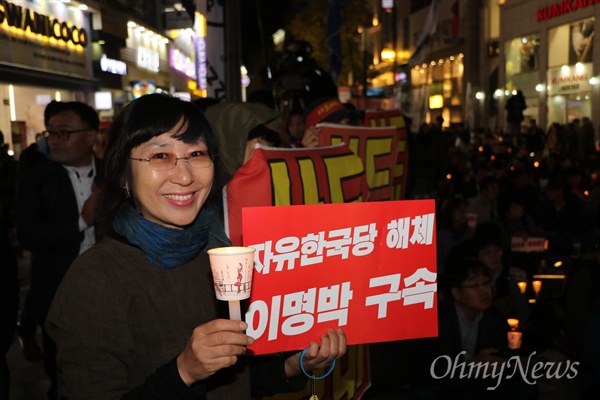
{"points": [[126, 189]]}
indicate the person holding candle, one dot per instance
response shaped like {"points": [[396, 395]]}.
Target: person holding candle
{"points": [[470, 329], [136, 316], [481, 329], [487, 247]]}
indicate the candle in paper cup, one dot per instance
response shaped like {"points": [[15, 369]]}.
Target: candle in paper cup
{"points": [[522, 286], [513, 323], [537, 286], [472, 220], [514, 340], [232, 271]]}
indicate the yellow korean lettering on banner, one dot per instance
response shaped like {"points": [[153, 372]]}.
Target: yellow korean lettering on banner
{"points": [[281, 183], [337, 172], [377, 147], [310, 186]]}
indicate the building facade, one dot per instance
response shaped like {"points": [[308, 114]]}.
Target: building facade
{"points": [[104, 55], [46, 55], [463, 60], [441, 59], [550, 53]]}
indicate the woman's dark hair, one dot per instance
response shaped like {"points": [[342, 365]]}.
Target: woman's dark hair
{"points": [[141, 120]]}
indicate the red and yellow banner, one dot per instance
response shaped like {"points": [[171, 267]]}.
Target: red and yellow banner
{"points": [[282, 177], [376, 147], [396, 119]]}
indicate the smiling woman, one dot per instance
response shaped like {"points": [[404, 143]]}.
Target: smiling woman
{"points": [[136, 316], [168, 192], [177, 129]]}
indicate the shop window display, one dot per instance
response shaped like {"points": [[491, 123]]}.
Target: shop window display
{"points": [[564, 109], [437, 85], [522, 62], [522, 55], [569, 92]]}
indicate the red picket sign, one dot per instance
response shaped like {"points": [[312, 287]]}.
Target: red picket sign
{"points": [[369, 268]]}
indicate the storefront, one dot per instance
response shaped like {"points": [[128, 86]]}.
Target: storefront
{"points": [[549, 55], [522, 63], [570, 71], [444, 66], [111, 96], [45, 56], [147, 57], [187, 58], [109, 69], [437, 88]]}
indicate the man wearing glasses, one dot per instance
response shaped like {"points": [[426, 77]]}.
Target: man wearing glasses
{"points": [[56, 209], [470, 330]]}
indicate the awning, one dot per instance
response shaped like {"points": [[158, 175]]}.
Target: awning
{"points": [[32, 77]]}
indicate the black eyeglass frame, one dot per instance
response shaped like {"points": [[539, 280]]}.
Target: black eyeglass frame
{"points": [[484, 284], [63, 134]]}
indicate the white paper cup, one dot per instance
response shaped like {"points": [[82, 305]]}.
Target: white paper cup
{"points": [[514, 340], [232, 271]]}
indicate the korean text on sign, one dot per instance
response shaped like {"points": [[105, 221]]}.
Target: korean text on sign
{"points": [[366, 267]]}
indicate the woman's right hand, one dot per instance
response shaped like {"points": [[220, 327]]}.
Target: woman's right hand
{"points": [[213, 346]]}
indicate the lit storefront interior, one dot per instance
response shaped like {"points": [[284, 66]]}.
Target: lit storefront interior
{"points": [[437, 88], [521, 69], [570, 71]]}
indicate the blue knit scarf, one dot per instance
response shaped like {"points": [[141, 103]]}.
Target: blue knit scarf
{"points": [[165, 248]]}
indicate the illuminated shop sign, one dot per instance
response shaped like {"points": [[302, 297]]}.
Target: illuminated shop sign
{"points": [[200, 50], [24, 19], [562, 7], [112, 66], [103, 100], [148, 59], [570, 79], [182, 62]]}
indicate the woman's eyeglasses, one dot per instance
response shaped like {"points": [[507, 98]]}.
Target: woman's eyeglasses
{"points": [[166, 161]]}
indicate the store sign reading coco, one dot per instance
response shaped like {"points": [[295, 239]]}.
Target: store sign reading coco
{"points": [[25, 19], [571, 79], [46, 36]]}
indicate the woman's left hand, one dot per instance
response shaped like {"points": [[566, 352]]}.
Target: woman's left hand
{"points": [[333, 346]]}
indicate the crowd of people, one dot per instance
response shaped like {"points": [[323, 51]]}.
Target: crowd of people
{"points": [[493, 191], [101, 214]]}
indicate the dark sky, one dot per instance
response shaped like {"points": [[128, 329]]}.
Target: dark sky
{"points": [[272, 15]]}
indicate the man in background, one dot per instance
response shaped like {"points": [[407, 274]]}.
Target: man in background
{"points": [[56, 210], [515, 106]]}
